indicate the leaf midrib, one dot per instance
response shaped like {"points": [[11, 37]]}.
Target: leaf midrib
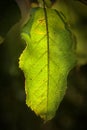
{"points": [[47, 33]]}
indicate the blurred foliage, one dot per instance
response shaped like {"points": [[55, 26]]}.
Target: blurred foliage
{"points": [[14, 114]]}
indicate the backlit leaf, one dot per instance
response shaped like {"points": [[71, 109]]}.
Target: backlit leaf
{"points": [[46, 60]]}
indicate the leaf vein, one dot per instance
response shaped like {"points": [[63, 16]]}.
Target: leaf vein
{"points": [[36, 62]]}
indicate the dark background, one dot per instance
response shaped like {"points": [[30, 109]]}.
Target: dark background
{"points": [[14, 113]]}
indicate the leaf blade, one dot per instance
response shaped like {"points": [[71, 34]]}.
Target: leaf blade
{"points": [[45, 60]]}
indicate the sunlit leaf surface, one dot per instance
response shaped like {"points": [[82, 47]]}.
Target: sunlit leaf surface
{"points": [[46, 60]]}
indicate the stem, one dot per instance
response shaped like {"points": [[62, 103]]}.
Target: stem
{"points": [[24, 6]]}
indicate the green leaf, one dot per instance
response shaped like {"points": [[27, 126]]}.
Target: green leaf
{"points": [[46, 60], [48, 3]]}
